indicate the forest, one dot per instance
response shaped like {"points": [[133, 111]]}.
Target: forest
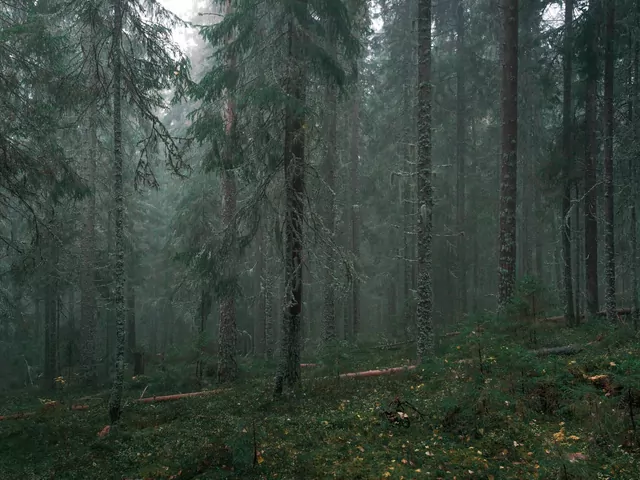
{"points": [[309, 239]]}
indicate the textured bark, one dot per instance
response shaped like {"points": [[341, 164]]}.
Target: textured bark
{"points": [[635, 121], [425, 194], [407, 225], [565, 228], [288, 372], [269, 278], [329, 167], [461, 126], [51, 363], [591, 193], [88, 291], [609, 240], [131, 321], [115, 402], [355, 211], [227, 366], [259, 322], [508, 169], [579, 294]]}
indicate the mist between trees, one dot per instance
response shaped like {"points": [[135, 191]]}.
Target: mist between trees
{"points": [[289, 179]]}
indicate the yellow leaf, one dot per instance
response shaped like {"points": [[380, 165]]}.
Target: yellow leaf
{"points": [[559, 436], [386, 474], [360, 448]]}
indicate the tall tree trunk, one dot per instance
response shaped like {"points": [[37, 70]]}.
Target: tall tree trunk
{"points": [[579, 293], [115, 402], [474, 224], [460, 160], [565, 226], [329, 291], [288, 371], [591, 193], [635, 125], [268, 281], [88, 291], [227, 366], [259, 322], [51, 309], [407, 223], [508, 169], [355, 210], [131, 321], [425, 195], [609, 239]]}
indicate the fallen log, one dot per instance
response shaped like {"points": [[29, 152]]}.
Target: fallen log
{"points": [[376, 373], [177, 396]]}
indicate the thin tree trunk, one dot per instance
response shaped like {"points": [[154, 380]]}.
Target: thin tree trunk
{"points": [[88, 291], [609, 239], [425, 195], [329, 291], [508, 170], [131, 321], [635, 123], [460, 160], [578, 292], [288, 372], [115, 402], [590, 219], [268, 281], [565, 226], [51, 311], [259, 321], [355, 211], [227, 366]]}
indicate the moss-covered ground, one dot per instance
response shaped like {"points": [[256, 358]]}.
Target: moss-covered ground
{"points": [[486, 408]]}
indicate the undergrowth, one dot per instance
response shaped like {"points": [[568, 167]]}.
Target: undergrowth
{"points": [[489, 406]]}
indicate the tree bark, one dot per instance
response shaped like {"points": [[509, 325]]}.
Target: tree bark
{"points": [[355, 211], [609, 239], [424, 310], [591, 193], [115, 402], [460, 161], [227, 366], [88, 291], [635, 123], [288, 372], [508, 169], [329, 293], [565, 228]]}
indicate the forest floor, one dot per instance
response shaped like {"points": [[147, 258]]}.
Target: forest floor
{"points": [[484, 409]]}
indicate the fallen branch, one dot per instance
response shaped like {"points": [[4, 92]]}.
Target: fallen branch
{"points": [[160, 398], [377, 373], [177, 396]]}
